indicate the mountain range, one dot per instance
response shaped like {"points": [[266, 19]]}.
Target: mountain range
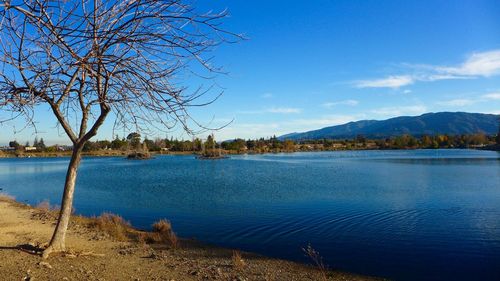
{"points": [[451, 123]]}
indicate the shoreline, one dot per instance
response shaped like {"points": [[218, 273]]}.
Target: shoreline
{"points": [[119, 153], [93, 253]]}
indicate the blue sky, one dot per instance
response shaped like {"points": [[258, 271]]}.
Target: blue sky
{"points": [[311, 64]]}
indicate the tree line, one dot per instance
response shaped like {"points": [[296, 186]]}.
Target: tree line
{"points": [[274, 144], [134, 141]]}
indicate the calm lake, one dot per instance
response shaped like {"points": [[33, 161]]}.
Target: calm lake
{"points": [[405, 215]]}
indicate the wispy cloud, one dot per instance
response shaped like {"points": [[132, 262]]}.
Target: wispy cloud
{"points": [[250, 112], [495, 96], [478, 64], [278, 110], [343, 102], [496, 112], [482, 64], [284, 110], [492, 96], [457, 102], [399, 110], [393, 82], [267, 96], [326, 120]]}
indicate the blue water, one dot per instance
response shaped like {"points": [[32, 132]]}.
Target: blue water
{"points": [[405, 215]]}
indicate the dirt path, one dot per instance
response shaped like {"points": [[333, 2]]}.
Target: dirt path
{"points": [[93, 255]]}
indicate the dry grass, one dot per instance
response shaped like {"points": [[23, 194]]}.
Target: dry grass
{"points": [[44, 206], [238, 261], [45, 211], [6, 197], [270, 276], [162, 232], [162, 226], [113, 225], [317, 260], [142, 238]]}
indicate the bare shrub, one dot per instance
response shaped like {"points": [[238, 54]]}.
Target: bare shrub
{"points": [[162, 226], [45, 212], [238, 261], [113, 225], [142, 238], [174, 240], [44, 206], [162, 232], [317, 260]]}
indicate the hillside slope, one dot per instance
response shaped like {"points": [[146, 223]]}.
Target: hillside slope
{"points": [[452, 123]]}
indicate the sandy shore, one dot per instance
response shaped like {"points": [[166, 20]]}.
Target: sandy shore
{"points": [[95, 255]]}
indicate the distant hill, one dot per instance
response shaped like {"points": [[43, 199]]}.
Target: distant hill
{"points": [[452, 123]]}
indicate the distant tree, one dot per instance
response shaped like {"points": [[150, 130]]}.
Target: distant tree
{"points": [[361, 139], [89, 146], [151, 145], [52, 148], [197, 144], [289, 145], [251, 144], [119, 144], [237, 145], [498, 133], [134, 140], [426, 141], [210, 142], [103, 144], [85, 59], [40, 145], [14, 144]]}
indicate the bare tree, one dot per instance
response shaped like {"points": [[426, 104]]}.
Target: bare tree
{"points": [[89, 59]]}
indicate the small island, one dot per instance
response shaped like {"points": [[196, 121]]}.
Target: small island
{"points": [[136, 150], [209, 151]]}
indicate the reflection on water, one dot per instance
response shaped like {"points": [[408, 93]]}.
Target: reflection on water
{"points": [[407, 215], [442, 161]]}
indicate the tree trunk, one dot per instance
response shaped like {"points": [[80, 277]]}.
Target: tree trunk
{"points": [[57, 243]]}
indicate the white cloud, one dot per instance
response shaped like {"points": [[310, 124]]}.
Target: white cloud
{"points": [[400, 110], [457, 102], [394, 82], [492, 96], [343, 102], [407, 91], [478, 64], [470, 101], [284, 110], [483, 64], [437, 77]]}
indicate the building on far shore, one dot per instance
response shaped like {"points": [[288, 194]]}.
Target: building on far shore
{"points": [[30, 148]]}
